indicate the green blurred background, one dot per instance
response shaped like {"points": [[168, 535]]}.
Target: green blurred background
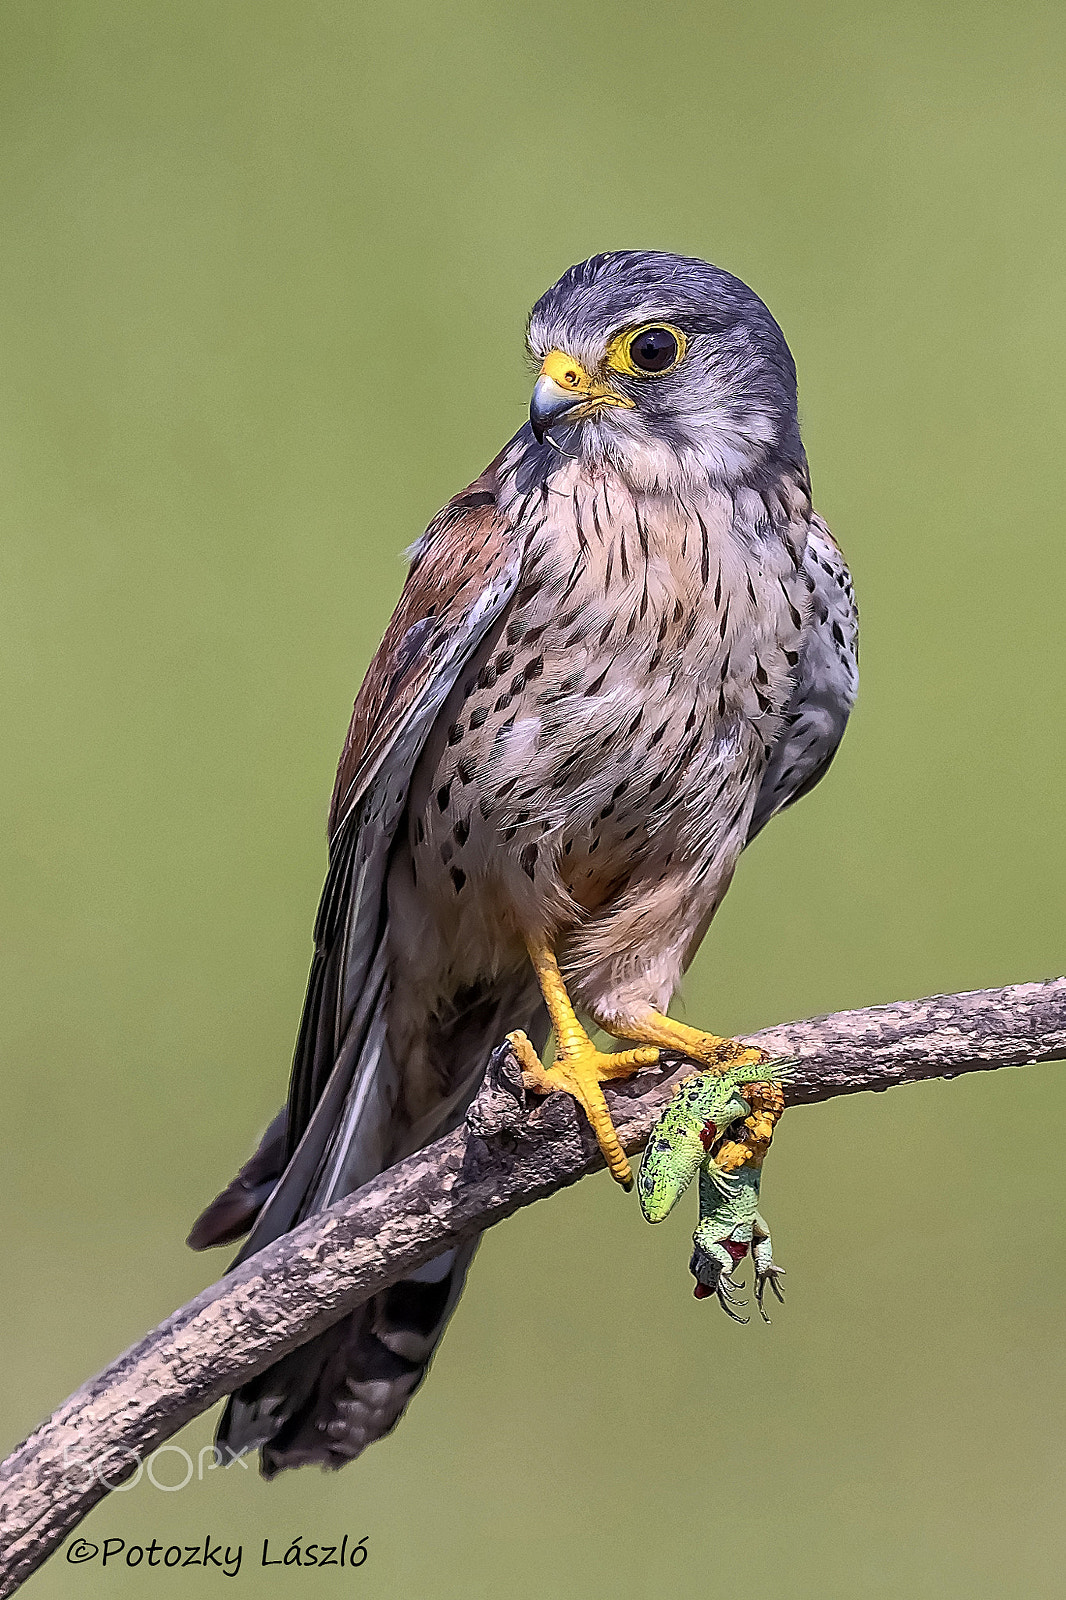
{"points": [[263, 275]]}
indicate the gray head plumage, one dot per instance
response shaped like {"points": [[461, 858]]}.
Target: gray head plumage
{"points": [[726, 409]]}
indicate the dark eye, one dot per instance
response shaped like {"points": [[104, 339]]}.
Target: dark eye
{"points": [[654, 350]]}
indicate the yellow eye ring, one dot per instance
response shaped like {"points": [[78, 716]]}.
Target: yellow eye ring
{"points": [[650, 351]]}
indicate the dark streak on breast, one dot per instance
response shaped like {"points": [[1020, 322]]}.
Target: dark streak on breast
{"points": [[705, 558]]}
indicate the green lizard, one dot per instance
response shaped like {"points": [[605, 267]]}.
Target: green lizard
{"points": [[698, 1132]]}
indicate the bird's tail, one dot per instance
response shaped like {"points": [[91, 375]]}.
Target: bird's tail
{"points": [[326, 1401]]}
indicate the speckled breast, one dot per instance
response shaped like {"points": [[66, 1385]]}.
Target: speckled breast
{"points": [[615, 726]]}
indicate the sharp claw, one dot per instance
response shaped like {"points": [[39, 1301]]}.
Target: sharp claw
{"points": [[727, 1306], [729, 1294], [760, 1289]]}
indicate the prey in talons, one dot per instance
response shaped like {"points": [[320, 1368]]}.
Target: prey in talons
{"points": [[719, 1125]]}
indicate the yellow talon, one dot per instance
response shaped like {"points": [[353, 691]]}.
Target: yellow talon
{"points": [[717, 1054], [579, 1072], [579, 1068]]}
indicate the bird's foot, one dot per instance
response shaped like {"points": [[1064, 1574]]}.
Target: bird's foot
{"points": [[707, 1048], [579, 1069], [753, 1137]]}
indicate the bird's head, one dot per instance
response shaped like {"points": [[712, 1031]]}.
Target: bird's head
{"points": [[663, 367]]}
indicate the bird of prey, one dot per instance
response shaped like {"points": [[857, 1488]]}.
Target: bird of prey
{"points": [[617, 655]]}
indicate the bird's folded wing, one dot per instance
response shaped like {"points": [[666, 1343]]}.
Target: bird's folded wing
{"points": [[465, 569], [827, 681]]}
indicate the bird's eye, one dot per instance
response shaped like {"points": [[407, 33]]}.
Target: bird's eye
{"points": [[650, 351], [653, 350]]}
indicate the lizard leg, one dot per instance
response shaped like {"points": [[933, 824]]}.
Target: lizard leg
{"points": [[579, 1067], [766, 1269], [652, 1027]]}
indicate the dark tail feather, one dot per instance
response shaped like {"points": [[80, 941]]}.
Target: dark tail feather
{"points": [[231, 1213], [325, 1402]]}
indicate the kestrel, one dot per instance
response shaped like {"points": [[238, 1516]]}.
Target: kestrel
{"points": [[617, 655]]}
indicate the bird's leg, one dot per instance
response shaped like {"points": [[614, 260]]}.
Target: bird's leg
{"points": [[579, 1067], [651, 1027]]}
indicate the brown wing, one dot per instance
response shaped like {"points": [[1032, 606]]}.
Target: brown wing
{"points": [[464, 570], [460, 575]]}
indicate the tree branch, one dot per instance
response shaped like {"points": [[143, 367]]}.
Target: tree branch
{"points": [[509, 1153]]}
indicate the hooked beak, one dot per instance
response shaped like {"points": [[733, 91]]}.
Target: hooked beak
{"points": [[564, 392]]}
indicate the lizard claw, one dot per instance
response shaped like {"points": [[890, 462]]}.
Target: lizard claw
{"points": [[728, 1300], [761, 1280], [712, 1278]]}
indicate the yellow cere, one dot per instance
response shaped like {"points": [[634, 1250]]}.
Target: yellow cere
{"points": [[566, 372], [570, 375]]}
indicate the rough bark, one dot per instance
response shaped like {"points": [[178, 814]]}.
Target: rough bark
{"points": [[510, 1153]]}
